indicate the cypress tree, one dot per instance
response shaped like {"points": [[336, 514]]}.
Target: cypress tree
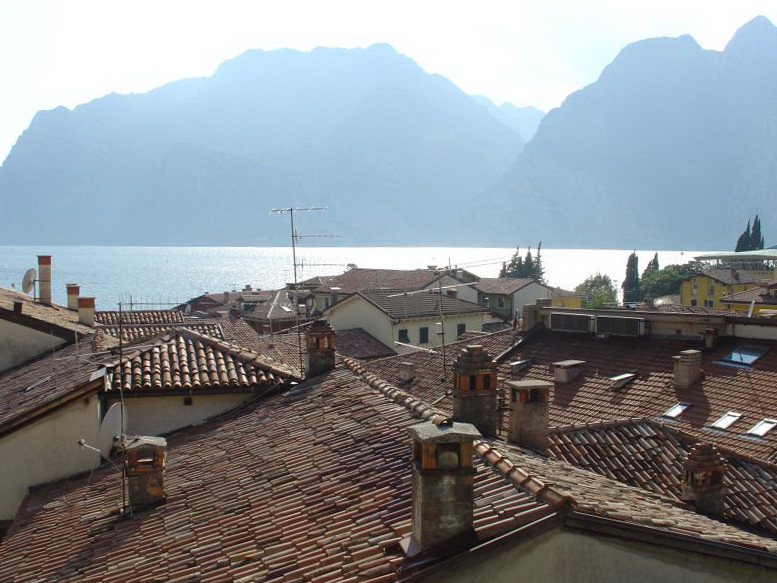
{"points": [[631, 291], [743, 243], [756, 239]]}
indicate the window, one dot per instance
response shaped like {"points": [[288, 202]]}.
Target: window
{"points": [[744, 355], [404, 336], [693, 302], [676, 411], [423, 335], [711, 290], [763, 427], [709, 303], [460, 329], [727, 420], [500, 302], [694, 286]]}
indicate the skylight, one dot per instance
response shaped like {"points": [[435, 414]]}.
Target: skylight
{"points": [[676, 411], [746, 355], [763, 427], [726, 420]]}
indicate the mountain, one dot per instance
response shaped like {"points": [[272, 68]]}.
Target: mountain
{"points": [[673, 147], [524, 120], [396, 154]]}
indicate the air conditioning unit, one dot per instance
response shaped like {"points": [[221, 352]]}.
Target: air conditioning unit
{"points": [[617, 326], [562, 322]]}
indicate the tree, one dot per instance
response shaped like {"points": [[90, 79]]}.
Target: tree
{"points": [[751, 240], [597, 290], [527, 267], [667, 281], [651, 266], [631, 289]]}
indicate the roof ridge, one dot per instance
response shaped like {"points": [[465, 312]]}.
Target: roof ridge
{"points": [[518, 476]]}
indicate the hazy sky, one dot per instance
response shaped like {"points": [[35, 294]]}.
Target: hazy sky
{"points": [[67, 52]]}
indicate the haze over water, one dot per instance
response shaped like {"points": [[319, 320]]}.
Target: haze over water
{"points": [[169, 275]]}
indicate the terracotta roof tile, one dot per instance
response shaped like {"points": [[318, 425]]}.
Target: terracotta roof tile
{"points": [[53, 314], [360, 279]]}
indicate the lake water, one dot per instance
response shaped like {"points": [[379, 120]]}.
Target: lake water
{"points": [[161, 276]]}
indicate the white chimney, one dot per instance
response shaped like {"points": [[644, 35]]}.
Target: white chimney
{"points": [[406, 371], [86, 311], [73, 290], [565, 371], [44, 279]]}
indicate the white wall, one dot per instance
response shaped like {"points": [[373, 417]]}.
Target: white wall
{"points": [[358, 313], [529, 294], [47, 450], [564, 556], [161, 415], [18, 344]]}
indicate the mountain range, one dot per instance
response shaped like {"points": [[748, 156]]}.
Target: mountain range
{"points": [[672, 147]]}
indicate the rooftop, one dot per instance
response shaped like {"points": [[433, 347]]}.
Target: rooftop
{"points": [[400, 305], [52, 315], [360, 279]]}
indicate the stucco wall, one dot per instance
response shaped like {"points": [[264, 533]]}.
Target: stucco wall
{"points": [[358, 313], [161, 415], [563, 556], [47, 450], [18, 344]]}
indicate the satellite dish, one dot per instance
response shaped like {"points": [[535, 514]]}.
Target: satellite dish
{"points": [[114, 425], [28, 281]]}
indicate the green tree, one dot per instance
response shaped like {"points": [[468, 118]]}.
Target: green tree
{"points": [[651, 266], [526, 267], [667, 281], [631, 289], [751, 240], [597, 290]]}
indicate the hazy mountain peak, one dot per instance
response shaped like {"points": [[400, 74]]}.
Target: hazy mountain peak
{"points": [[757, 36]]}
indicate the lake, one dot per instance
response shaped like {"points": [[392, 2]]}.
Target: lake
{"points": [[164, 276]]}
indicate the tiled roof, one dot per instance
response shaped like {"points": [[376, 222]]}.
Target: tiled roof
{"points": [[359, 279], [132, 333], [185, 360], [312, 485], [281, 306], [46, 380], [501, 285], [399, 305], [141, 317], [357, 343], [730, 276], [50, 314], [645, 454], [759, 295]]}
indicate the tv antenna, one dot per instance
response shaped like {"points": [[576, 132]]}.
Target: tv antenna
{"points": [[28, 281], [295, 238]]}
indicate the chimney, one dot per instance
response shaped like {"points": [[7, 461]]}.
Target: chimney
{"points": [[443, 485], [565, 371], [687, 368], [145, 466], [44, 279], [530, 317], [528, 403], [474, 389], [710, 338], [18, 305], [86, 311], [73, 290], [703, 472], [406, 371], [321, 348]]}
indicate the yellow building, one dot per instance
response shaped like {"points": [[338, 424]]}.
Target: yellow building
{"points": [[706, 289], [561, 298], [763, 300]]}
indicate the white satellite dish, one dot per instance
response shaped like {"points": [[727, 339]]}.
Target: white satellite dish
{"points": [[113, 427], [28, 281]]}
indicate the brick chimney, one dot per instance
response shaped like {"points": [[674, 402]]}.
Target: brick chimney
{"points": [[443, 484], [321, 348], [73, 290], [44, 279], [703, 472], [528, 403], [145, 466], [565, 371], [474, 389], [86, 311], [687, 368]]}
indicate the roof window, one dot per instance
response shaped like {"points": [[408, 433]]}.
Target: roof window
{"points": [[744, 355], [622, 380], [676, 411], [726, 420], [763, 427]]}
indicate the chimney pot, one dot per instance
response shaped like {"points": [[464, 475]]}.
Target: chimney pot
{"points": [[145, 465], [703, 472], [18, 306], [529, 418], [44, 279], [474, 389], [565, 371], [443, 483], [406, 371], [73, 291], [86, 306], [687, 368]]}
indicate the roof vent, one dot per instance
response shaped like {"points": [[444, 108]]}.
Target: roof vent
{"points": [[617, 326], [561, 322], [18, 305], [621, 380], [518, 365]]}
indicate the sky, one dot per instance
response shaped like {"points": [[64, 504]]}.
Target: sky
{"points": [[67, 52]]}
